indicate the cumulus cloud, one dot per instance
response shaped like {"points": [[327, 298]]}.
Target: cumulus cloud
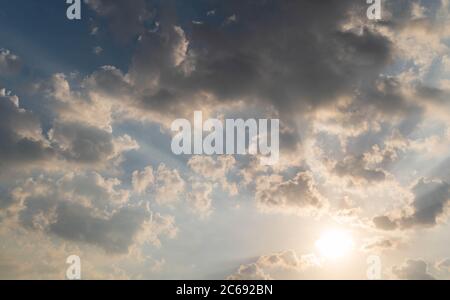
{"points": [[429, 204], [90, 209], [412, 270], [142, 180], [249, 272], [287, 259], [298, 195], [88, 145], [22, 141], [215, 170], [208, 174], [381, 244], [169, 185], [444, 265], [74, 106], [81, 126], [165, 183], [283, 260], [199, 199], [385, 223]]}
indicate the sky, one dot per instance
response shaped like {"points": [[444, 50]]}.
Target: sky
{"points": [[362, 186]]}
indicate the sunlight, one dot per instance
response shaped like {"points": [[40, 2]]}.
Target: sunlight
{"points": [[335, 244]]}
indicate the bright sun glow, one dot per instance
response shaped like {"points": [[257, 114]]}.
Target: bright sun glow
{"points": [[335, 244]]}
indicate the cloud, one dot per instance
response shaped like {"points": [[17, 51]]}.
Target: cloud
{"points": [[22, 142], [287, 259], [169, 186], [249, 272], [298, 195], [283, 260], [209, 65], [83, 144], [208, 173], [359, 104], [356, 169], [75, 106], [430, 201], [77, 136], [215, 170], [10, 64], [142, 180], [285, 73], [90, 209], [199, 199], [165, 183], [444, 265], [385, 223], [412, 270], [381, 244]]}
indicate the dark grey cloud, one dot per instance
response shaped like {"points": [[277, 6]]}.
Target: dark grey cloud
{"points": [[444, 265], [429, 203], [114, 234], [83, 144], [21, 136], [292, 55], [434, 95], [412, 270], [72, 221], [90, 209]]}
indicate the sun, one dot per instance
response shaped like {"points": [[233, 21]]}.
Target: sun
{"points": [[335, 244]]}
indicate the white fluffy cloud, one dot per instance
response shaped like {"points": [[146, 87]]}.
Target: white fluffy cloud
{"points": [[169, 185]]}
